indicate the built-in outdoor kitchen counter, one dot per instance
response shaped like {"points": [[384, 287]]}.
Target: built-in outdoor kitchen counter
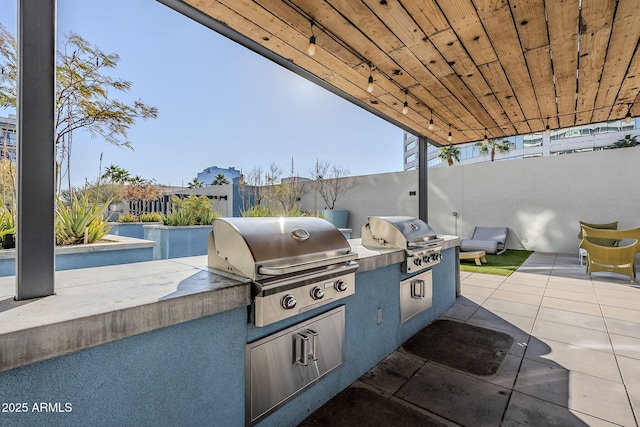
{"points": [[166, 342]]}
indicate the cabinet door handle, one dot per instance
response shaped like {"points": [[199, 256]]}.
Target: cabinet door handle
{"points": [[417, 289], [314, 343], [302, 349]]}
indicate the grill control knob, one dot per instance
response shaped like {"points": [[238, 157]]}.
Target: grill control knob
{"points": [[317, 292], [340, 285], [288, 302], [417, 261]]}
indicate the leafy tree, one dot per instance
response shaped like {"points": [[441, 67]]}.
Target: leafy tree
{"points": [[220, 179], [8, 182], [84, 94], [449, 153], [493, 145], [627, 141], [195, 183], [139, 192]]}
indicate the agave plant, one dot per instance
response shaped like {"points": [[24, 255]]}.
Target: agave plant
{"points": [[80, 222], [179, 217]]}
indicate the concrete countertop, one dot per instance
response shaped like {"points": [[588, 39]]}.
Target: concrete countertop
{"points": [[94, 306]]}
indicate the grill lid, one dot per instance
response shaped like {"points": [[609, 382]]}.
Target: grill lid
{"points": [[397, 231], [262, 247]]}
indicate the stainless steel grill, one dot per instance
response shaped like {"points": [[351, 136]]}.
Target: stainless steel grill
{"points": [[420, 242], [295, 263]]}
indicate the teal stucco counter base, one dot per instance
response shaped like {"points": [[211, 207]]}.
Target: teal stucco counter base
{"points": [[163, 343]]}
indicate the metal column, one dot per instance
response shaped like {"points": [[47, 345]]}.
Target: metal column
{"points": [[423, 180], [35, 255]]}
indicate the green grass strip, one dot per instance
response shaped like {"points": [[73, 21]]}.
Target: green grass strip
{"points": [[498, 265]]}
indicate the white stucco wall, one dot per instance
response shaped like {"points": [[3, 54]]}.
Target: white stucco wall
{"points": [[541, 200]]}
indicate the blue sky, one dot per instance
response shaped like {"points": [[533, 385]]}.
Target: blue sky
{"points": [[219, 103]]}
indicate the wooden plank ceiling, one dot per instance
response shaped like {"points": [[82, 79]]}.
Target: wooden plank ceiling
{"points": [[475, 67]]}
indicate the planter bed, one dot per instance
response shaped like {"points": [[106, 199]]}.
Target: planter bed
{"points": [[111, 250]]}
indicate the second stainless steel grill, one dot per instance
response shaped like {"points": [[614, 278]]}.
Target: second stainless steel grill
{"points": [[295, 263], [419, 241]]}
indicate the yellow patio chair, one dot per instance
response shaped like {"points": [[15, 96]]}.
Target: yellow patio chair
{"points": [[616, 259], [604, 242]]}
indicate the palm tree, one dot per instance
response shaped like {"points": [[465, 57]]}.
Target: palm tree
{"points": [[449, 153], [627, 141], [116, 174], [220, 179], [195, 183], [493, 145]]}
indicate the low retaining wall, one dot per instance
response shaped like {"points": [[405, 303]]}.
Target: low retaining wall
{"points": [[112, 250], [178, 242]]}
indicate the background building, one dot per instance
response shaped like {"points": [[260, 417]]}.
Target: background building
{"points": [[8, 137], [576, 139], [209, 174]]}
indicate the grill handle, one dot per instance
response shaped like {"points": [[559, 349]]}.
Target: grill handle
{"points": [[294, 268]]}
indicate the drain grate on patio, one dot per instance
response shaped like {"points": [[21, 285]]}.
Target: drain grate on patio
{"points": [[356, 406], [468, 348]]}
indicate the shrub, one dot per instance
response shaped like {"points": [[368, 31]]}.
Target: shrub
{"points": [[261, 211], [81, 222], [151, 217], [197, 209], [7, 228], [127, 217]]}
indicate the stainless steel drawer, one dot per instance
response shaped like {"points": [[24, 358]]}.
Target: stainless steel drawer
{"points": [[416, 295], [280, 366]]}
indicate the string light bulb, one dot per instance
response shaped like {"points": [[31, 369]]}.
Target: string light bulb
{"points": [[370, 81], [547, 130], [449, 138], [405, 108], [627, 118], [485, 139], [430, 127], [311, 50]]}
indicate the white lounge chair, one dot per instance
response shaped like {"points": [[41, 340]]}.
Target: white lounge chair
{"points": [[492, 240]]}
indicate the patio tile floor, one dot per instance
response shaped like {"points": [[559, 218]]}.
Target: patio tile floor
{"points": [[575, 360]]}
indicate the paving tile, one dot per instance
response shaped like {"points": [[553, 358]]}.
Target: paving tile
{"points": [[623, 327], [593, 396], [572, 296], [625, 292], [454, 395], [475, 290], [517, 297], [480, 282], [573, 306], [626, 346], [525, 289], [568, 334], [574, 358], [516, 322], [390, 374], [532, 280], [583, 288], [476, 299], [631, 376], [572, 318], [621, 313], [527, 310], [525, 410], [459, 312], [488, 319], [463, 300], [629, 303]]}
